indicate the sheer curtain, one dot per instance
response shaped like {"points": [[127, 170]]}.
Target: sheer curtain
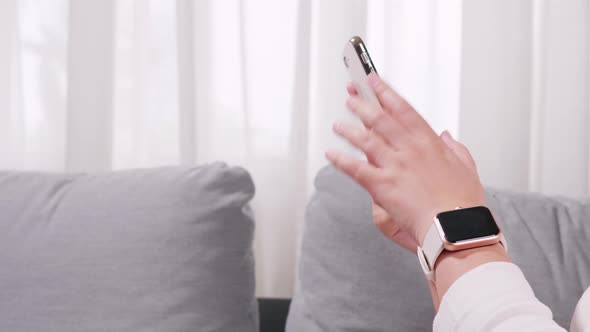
{"points": [[525, 93], [96, 85]]}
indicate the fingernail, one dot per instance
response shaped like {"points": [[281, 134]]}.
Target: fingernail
{"points": [[337, 127]]}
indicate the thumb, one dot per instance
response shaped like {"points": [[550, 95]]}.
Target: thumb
{"points": [[391, 230], [459, 149]]}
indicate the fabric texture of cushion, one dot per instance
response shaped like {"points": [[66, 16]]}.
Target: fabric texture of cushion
{"points": [[351, 278], [165, 249]]}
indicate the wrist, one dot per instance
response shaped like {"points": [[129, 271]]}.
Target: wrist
{"points": [[457, 241], [474, 255], [422, 230], [451, 265]]}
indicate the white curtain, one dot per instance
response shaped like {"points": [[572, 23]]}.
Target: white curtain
{"points": [[95, 85], [525, 93]]}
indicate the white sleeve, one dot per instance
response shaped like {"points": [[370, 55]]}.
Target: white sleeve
{"points": [[493, 297], [581, 320]]}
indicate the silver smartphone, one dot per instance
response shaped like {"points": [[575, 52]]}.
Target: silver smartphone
{"points": [[359, 65]]}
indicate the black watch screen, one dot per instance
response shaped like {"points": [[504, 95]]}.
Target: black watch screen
{"points": [[465, 224]]}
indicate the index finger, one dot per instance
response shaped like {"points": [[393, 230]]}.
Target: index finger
{"points": [[396, 105], [386, 95]]}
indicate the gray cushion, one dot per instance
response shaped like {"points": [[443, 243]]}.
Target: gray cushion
{"points": [[351, 278], [149, 250]]}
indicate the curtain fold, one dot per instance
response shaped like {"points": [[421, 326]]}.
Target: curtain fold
{"points": [[89, 110], [524, 94], [561, 165], [10, 124], [95, 85], [34, 87], [186, 71], [299, 119], [496, 89]]}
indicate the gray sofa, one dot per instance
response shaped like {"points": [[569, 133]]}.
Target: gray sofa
{"points": [[166, 249], [169, 249]]}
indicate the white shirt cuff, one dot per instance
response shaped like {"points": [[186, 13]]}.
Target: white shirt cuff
{"points": [[580, 321], [492, 297]]}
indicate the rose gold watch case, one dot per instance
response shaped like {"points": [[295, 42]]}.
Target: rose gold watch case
{"points": [[467, 244]]}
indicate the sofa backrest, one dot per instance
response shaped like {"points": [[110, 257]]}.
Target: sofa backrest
{"points": [[165, 249]]}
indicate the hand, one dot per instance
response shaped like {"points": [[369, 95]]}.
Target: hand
{"points": [[411, 172], [381, 218], [389, 227]]}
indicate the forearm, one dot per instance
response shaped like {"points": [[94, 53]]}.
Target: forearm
{"points": [[494, 296], [450, 266]]}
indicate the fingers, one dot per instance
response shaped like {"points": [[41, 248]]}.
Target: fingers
{"points": [[366, 113], [459, 149], [373, 146], [364, 174], [393, 103], [388, 98], [351, 89], [380, 122]]}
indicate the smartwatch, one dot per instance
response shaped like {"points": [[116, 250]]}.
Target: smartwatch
{"points": [[456, 230]]}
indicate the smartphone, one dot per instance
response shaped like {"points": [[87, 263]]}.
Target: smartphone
{"points": [[359, 65]]}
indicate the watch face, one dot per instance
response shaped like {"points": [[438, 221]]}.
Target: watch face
{"points": [[467, 224]]}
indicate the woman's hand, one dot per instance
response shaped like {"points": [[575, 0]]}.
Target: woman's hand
{"points": [[411, 172], [389, 227]]}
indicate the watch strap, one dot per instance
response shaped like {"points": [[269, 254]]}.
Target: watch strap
{"points": [[433, 246], [430, 250]]}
